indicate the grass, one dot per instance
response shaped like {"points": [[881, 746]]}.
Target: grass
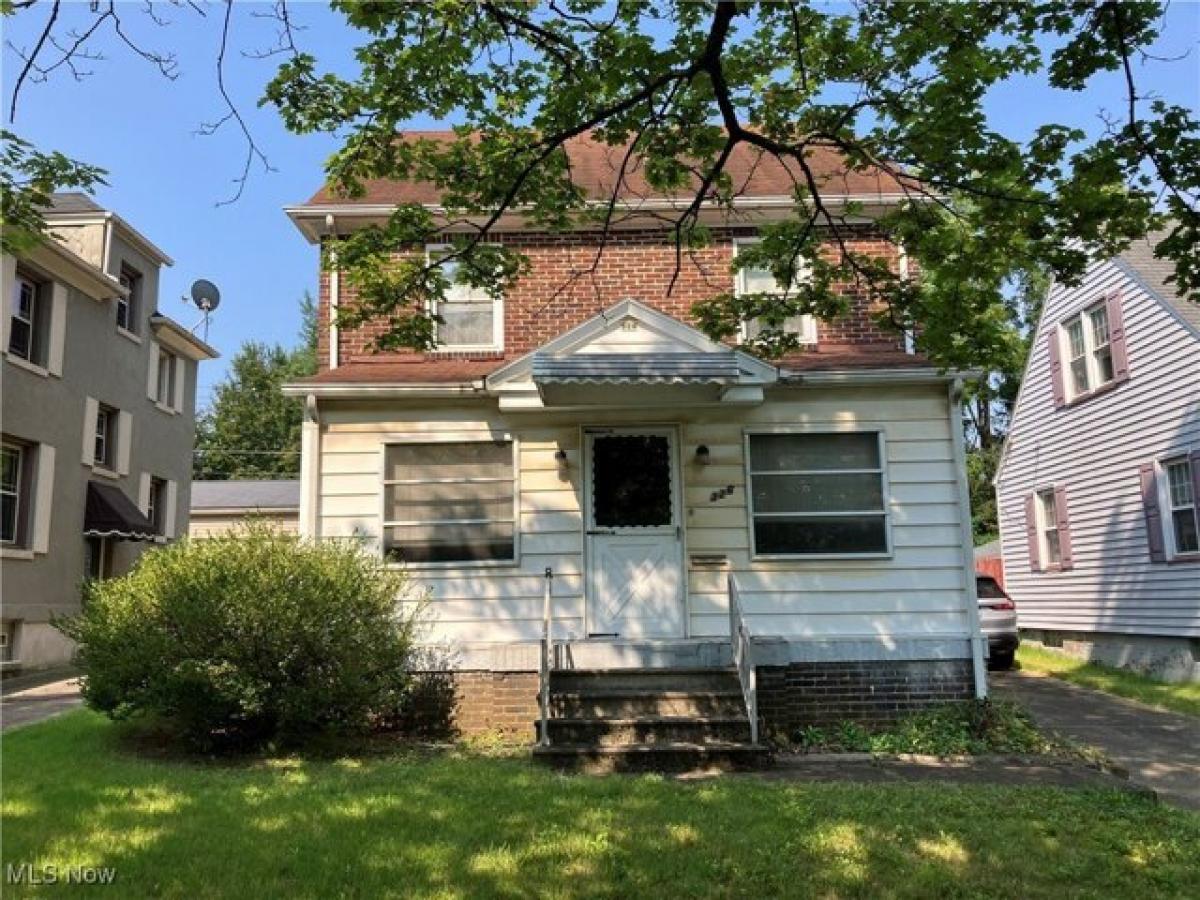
{"points": [[953, 729], [458, 825], [1180, 698]]}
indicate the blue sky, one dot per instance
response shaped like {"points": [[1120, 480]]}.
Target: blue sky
{"points": [[168, 181]]}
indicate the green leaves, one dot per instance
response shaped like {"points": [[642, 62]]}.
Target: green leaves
{"points": [[27, 179], [896, 89]]}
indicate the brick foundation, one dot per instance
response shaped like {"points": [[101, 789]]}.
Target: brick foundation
{"points": [[871, 693], [466, 704]]}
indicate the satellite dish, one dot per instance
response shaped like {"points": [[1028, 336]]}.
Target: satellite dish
{"points": [[205, 295]]}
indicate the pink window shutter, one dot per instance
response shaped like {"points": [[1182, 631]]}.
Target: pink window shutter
{"points": [[1116, 338], [1064, 528], [1154, 524], [1056, 372], [1031, 531]]}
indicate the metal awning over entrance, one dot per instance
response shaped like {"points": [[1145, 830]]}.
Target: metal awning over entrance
{"points": [[110, 514], [637, 368]]}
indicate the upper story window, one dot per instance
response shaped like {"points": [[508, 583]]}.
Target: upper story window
{"points": [[13, 492], [1087, 352], [449, 502], [129, 307], [30, 320], [468, 318], [1184, 526], [106, 437], [817, 494], [164, 391], [750, 280]]}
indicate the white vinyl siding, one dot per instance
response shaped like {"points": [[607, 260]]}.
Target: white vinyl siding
{"points": [[1099, 449], [917, 592]]}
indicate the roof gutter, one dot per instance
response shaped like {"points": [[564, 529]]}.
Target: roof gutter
{"points": [[175, 336], [878, 376], [383, 391]]}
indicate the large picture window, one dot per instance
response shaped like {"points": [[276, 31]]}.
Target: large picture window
{"points": [[817, 494], [449, 502]]}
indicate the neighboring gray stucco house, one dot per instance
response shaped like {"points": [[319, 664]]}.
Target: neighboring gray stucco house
{"points": [[221, 506], [1100, 479], [98, 419]]}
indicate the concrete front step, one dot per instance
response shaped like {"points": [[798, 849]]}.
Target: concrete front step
{"points": [[644, 680], [628, 703], [663, 757], [656, 730]]}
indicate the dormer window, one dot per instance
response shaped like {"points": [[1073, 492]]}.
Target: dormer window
{"points": [[467, 318], [129, 307], [751, 280]]}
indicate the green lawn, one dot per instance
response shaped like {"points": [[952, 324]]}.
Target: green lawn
{"points": [[1182, 698], [463, 826]]}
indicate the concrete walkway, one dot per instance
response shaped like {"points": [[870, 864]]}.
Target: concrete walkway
{"points": [[28, 699], [1161, 750]]}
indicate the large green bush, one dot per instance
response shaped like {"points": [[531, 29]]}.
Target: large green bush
{"points": [[252, 637]]}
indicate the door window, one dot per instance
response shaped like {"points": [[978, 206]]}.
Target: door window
{"points": [[631, 481]]}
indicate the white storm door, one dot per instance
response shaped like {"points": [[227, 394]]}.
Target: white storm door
{"points": [[634, 538]]}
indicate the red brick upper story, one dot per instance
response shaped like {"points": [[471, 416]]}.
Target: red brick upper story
{"points": [[570, 280]]}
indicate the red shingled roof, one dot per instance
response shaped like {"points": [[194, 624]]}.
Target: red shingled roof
{"points": [[432, 370], [594, 167]]}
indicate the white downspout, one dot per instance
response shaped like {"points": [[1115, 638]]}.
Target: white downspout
{"points": [[334, 298], [978, 647], [310, 468]]}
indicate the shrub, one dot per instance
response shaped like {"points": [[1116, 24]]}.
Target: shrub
{"points": [[251, 637]]}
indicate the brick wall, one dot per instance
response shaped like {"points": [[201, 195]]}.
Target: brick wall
{"points": [[566, 286], [465, 704], [871, 693]]}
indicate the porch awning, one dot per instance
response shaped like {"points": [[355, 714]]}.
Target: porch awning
{"points": [[110, 514], [637, 368]]}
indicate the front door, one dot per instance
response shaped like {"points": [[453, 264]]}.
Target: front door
{"points": [[634, 540]]}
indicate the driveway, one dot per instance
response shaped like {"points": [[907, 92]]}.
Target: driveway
{"points": [[27, 700], [1161, 750]]}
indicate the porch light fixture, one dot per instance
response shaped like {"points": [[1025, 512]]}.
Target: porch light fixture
{"points": [[703, 456], [560, 458]]}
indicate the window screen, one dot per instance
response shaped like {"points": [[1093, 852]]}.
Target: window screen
{"points": [[449, 502], [817, 494]]}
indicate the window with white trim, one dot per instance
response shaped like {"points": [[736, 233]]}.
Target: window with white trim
{"points": [[14, 493], [1183, 528], [1047, 510], [1088, 347], [164, 393], [128, 307], [105, 454], [750, 280], [818, 493], [449, 502], [29, 322], [467, 318], [156, 504]]}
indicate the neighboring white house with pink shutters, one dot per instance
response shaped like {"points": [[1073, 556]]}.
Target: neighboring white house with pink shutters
{"points": [[1099, 484]]}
